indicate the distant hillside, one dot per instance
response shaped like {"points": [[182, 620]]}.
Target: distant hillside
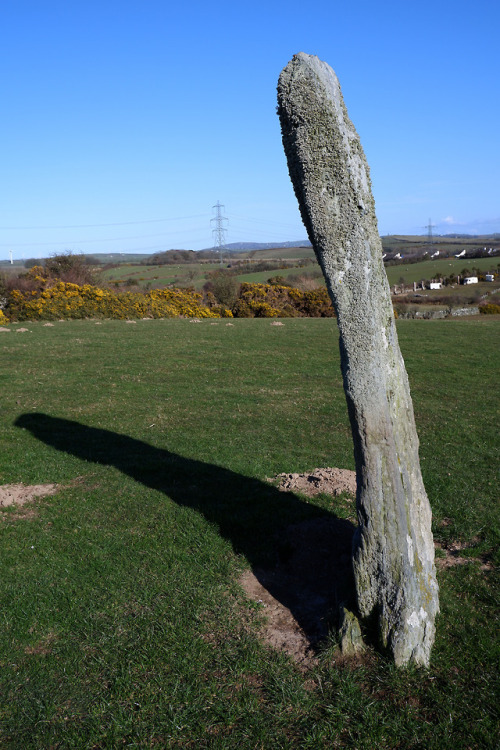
{"points": [[408, 246]]}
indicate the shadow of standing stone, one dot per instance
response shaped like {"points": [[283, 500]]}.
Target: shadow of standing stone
{"points": [[302, 596]]}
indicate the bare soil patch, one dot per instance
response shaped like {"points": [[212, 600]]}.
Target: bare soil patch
{"points": [[300, 597], [329, 481], [453, 557], [20, 494], [43, 647]]}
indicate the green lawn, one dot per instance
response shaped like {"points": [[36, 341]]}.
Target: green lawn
{"points": [[123, 622]]}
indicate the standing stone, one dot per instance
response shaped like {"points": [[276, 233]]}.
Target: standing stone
{"points": [[393, 553]]}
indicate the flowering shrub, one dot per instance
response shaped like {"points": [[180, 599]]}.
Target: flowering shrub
{"points": [[66, 300], [275, 300], [489, 309], [3, 319]]}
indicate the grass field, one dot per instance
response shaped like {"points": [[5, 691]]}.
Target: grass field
{"points": [[188, 274], [434, 269], [402, 243], [123, 622], [194, 274], [262, 277], [278, 253], [183, 274]]}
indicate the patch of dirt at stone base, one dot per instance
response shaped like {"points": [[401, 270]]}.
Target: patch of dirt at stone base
{"points": [[300, 596], [282, 632], [452, 556], [20, 494], [330, 481]]}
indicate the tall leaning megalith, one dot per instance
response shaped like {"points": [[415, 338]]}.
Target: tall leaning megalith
{"points": [[393, 553]]}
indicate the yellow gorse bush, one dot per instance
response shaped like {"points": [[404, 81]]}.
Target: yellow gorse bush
{"points": [[3, 319], [66, 300], [490, 308], [274, 300]]}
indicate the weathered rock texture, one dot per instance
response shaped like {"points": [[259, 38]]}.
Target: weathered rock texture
{"points": [[393, 549]]}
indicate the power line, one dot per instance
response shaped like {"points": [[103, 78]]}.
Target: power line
{"points": [[83, 242], [243, 227], [269, 222], [110, 224]]}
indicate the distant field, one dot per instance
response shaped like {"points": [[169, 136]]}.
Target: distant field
{"points": [[473, 291], [277, 253], [426, 269], [261, 277], [15, 268], [195, 274], [430, 269], [408, 243], [412, 272], [391, 243], [191, 274], [183, 274]]}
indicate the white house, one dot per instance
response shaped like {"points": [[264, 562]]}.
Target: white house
{"points": [[435, 285], [471, 280]]}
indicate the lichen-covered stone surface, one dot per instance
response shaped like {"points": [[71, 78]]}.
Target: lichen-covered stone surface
{"points": [[351, 641], [393, 548]]}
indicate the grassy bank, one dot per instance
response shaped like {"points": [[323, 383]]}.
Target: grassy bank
{"points": [[123, 622]]}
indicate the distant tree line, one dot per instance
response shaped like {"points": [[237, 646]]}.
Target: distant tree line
{"points": [[180, 256], [67, 267], [79, 258]]}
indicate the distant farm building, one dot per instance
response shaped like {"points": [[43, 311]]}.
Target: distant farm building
{"points": [[435, 285], [471, 280]]}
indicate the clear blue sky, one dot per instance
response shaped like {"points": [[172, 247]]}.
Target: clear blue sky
{"points": [[123, 122]]}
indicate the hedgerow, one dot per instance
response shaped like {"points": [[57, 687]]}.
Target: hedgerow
{"points": [[489, 309], [278, 301], [66, 300]]}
